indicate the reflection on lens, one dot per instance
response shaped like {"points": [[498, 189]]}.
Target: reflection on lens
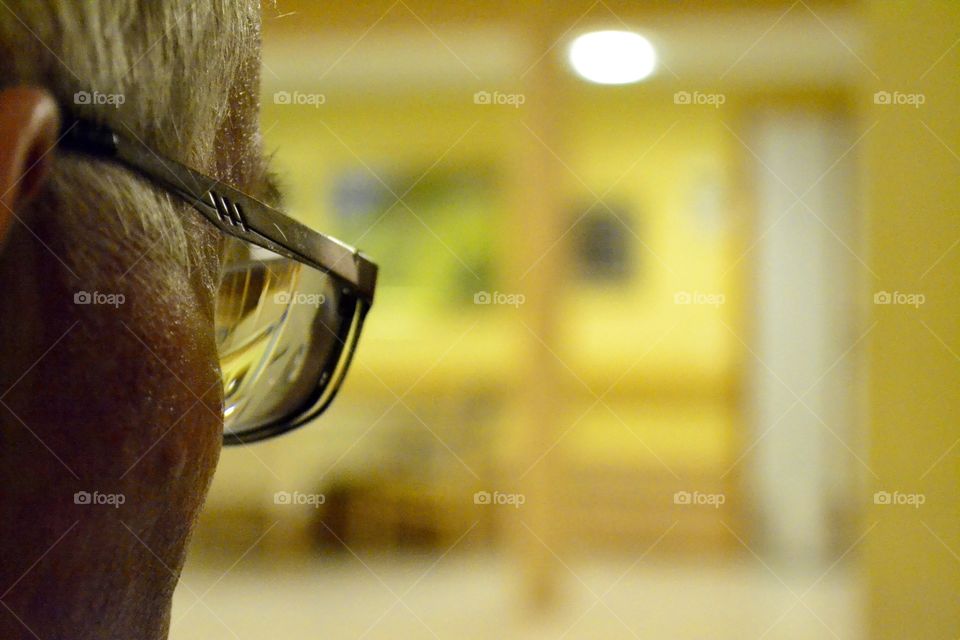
{"points": [[279, 327]]}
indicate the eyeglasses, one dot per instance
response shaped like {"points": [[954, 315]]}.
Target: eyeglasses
{"points": [[291, 301]]}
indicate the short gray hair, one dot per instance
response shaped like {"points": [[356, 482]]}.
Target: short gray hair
{"points": [[168, 72]]}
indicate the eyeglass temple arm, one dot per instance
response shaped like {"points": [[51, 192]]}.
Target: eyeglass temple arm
{"points": [[232, 211]]}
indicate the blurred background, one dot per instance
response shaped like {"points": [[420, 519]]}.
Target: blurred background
{"points": [[665, 343]]}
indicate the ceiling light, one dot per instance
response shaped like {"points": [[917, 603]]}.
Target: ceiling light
{"points": [[612, 57]]}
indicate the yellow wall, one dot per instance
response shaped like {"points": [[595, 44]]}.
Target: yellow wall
{"points": [[620, 142], [913, 190]]}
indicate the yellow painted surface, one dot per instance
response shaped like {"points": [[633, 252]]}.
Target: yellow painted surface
{"points": [[630, 338], [913, 190]]}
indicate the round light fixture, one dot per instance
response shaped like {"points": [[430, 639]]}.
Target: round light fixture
{"points": [[612, 57]]}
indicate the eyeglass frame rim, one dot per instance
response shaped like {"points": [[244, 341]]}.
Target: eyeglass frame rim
{"points": [[322, 398]]}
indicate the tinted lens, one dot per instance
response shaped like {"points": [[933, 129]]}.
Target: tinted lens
{"points": [[281, 329]]}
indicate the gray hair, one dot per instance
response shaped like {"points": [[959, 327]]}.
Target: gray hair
{"points": [[169, 72]]}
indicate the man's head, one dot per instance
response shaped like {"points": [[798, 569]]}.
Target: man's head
{"points": [[110, 398]]}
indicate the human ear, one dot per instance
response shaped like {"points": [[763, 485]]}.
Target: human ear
{"points": [[29, 126]]}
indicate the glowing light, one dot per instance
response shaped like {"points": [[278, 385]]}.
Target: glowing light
{"points": [[612, 57]]}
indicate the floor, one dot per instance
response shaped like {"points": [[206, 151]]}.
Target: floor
{"points": [[477, 597]]}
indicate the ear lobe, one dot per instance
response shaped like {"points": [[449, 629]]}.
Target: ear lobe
{"points": [[29, 126]]}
